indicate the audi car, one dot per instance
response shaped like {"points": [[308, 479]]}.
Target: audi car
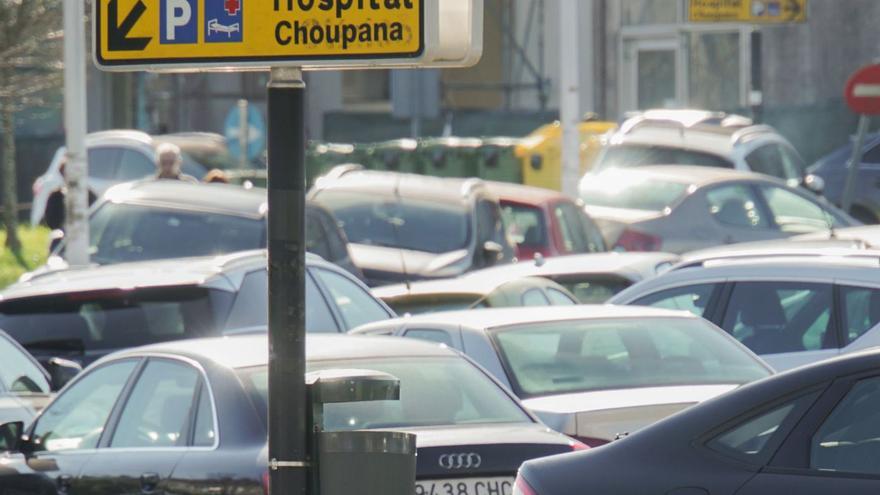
{"points": [[190, 417]]}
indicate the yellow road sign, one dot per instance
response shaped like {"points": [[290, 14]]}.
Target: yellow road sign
{"points": [[750, 11], [168, 34]]}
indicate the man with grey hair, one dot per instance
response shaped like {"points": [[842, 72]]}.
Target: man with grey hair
{"points": [[169, 163]]}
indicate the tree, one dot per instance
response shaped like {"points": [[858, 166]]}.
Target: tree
{"points": [[30, 68]]}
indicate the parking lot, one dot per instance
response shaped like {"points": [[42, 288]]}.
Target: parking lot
{"points": [[680, 296]]}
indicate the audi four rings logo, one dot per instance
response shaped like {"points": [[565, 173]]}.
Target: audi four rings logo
{"points": [[460, 461]]}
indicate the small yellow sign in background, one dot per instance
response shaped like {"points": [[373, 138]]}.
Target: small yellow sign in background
{"points": [[212, 32], [750, 11]]}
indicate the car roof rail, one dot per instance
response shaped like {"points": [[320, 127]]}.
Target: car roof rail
{"points": [[343, 169], [749, 131], [852, 253], [471, 185]]}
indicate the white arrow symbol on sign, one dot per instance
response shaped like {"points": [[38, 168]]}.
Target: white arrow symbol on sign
{"points": [[867, 91]]}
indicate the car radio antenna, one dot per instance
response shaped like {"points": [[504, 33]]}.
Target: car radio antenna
{"points": [[396, 223]]}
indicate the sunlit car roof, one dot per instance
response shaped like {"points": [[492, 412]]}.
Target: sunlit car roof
{"points": [[447, 190], [253, 350], [501, 317], [683, 174], [142, 274], [216, 198]]}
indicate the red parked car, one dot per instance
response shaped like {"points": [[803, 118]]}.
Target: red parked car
{"points": [[541, 221]]}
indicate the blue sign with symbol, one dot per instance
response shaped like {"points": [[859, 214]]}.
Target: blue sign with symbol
{"points": [[256, 140], [178, 21], [224, 21]]}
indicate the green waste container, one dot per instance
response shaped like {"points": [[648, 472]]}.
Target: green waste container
{"points": [[498, 160], [399, 155], [451, 156], [321, 157]]}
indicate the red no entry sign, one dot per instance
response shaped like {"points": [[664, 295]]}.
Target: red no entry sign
{"points": [[863, 91]]}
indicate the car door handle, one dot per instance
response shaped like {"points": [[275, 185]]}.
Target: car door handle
{"points": [[63, 481], [149, 482]]}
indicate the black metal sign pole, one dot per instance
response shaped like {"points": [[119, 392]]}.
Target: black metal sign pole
{"points": [[289, 463]]}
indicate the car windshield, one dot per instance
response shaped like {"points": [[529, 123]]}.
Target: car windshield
{"points": [[436, 391], [121, 233], [631, 192], [583, 356], [637, 155], [87, 324], [406, 223]]}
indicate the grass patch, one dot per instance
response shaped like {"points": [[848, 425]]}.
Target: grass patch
{"points": [[35, 246]]}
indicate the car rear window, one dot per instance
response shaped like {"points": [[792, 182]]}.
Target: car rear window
{"points": [[637, 155], [92, 323], [121, 233], [631, 192], [592, 289], [436, 391], [588, 355]]}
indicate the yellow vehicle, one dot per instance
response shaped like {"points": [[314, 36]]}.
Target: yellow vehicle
{"points": [[541, 152]]}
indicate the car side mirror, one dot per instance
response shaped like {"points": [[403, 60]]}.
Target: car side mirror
{"points": [[10, 436], [492, 252], [815, 184], [61, 371]]}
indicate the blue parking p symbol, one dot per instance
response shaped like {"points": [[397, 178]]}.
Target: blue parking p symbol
{"points": [[178, 21]]}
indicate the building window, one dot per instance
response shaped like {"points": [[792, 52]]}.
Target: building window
{"points": [[714, 70], [642, 12], [366, 87]]}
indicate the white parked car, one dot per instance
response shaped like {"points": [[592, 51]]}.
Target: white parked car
{"points": [[592, 372], [114, 157], [791, 308]]}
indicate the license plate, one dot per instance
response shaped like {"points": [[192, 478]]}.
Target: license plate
{"points": [[466, 486]]}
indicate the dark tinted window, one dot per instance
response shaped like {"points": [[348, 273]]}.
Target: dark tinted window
{"points": [[736, 206], [121, 233], [775, 317], [870, 156], [438, 336], [861, 311], [694, 298], [849, 440], [316, 238], [755, 440], [579, 233], [156, 413], [358, 307], [525, 225], [251, 304], [408, 223], [635, 155], [76, 419], [318, 316], [767, 160], [135, 165], [102, 162], [113, 319]]}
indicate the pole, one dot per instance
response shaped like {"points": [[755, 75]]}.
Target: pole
{"points": [[288, 436], [76, 171], [243, 133], [569, 94], [854, 163]]}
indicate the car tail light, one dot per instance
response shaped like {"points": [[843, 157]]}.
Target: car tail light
{"points": [[577, 445], [592, 442], [520, 487], [266, 483], [633, 240]]}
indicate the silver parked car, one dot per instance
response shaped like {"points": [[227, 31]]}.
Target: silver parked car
{"points": [[592, 372], [683, 208], [791, 309]]}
